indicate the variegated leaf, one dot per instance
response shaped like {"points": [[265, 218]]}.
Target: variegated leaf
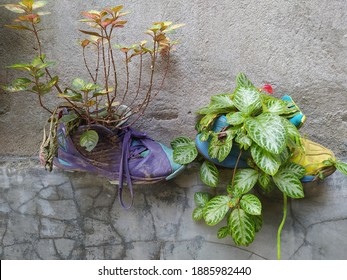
{"points": [[244, 181], [268, 131], [181, 141], [223, 232], [242, 227], [205, 135], [220, 149], [276, 106], [213, 109], [209, 174], [341, 166], [291, 129], [244, 141], [216, 209], [285, 155], [222, 101], [184, 154], [220, 104], [235, 118], [78, 83], [266, 161], [89, 139], [251, 204], [289, 184], [296, 169], [15, 8], [206, 121], [247, 100], [265, 182], [258, 222], [197, 214], [242, 80], [38, 4], [201, 198]]}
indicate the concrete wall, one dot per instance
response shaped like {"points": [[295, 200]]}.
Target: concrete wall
{"points": [[300, 47]]}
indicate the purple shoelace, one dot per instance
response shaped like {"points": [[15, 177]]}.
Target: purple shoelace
{"points": [[127, 152]]}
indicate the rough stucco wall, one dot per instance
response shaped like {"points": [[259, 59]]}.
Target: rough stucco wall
{"points": [[300, 47]]}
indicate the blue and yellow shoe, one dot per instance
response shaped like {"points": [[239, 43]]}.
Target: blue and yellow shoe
{"points": [[310, 155], [297, 117]]}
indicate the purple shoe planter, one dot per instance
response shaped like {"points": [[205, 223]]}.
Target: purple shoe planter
{"points": [[120, 155]]}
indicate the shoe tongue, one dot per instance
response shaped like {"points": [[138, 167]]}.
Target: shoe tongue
{"points": [[220, 123], [138, 148]]}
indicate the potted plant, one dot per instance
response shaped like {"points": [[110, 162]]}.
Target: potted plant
{"points": [[91, 129], [256, 136]]}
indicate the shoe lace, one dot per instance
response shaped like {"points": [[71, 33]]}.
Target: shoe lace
{"points": [[128, 152]]}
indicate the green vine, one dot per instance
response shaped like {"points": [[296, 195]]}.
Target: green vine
{"points": [[281, 226]]}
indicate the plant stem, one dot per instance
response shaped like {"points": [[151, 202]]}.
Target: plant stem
{"points": [[127, 77], [105, 71], [86, 106], [143, 106], [139, 81], [281, 226], [97, 63], [164, 76], [37, 84], [86, 65], [113, 65], [37, 39], [43, 106]]}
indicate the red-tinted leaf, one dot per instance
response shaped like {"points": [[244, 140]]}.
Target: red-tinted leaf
{"points": [[160, 37], [28, 4], [122, 22], [107, 22], [86, 20], [15, 8], [176, 26], [39, 4], [18, 27], [90, 15], [117, 8], [33, 18], [43, 13], [90, 33], [123, 14], [107, 10], [85, 43], [103, 13]]}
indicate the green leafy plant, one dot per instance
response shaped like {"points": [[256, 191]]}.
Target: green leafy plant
{"points": [[101, 100], [257, 127]]}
